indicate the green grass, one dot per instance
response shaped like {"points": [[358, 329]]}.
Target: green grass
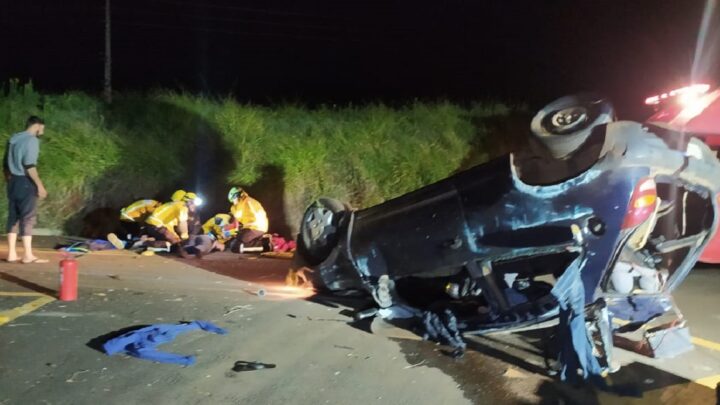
{"points": [[95, 156]]}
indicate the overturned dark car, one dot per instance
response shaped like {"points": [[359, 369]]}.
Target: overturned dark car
{"points": [[597, 222]]}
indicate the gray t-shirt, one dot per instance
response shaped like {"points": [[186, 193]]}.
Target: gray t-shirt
{"points": [[22, 153]]}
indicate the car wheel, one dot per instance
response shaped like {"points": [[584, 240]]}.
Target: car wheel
{"points": [[320, 229], [563, 125]]}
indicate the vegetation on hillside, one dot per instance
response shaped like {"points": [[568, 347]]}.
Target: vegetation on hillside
{"points": [[96, 156]]}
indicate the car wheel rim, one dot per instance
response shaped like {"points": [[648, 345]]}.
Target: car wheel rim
{"points": [[318, 225]]}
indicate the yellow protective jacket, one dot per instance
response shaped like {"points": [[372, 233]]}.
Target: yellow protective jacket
{"points": [[138, 211], [250, 214], [171, 215], [220, 227]]}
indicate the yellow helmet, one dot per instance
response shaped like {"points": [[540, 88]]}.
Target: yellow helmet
{"points": [[193, 198], [178, 195]]}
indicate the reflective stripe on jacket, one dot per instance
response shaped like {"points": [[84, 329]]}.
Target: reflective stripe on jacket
{"points": [[169, 215], [139, 210]]}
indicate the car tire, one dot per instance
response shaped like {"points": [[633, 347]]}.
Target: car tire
{"points": [[320, 229], [564, 125]]}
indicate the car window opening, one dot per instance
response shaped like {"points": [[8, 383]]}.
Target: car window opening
{"points": [[656, 249]]}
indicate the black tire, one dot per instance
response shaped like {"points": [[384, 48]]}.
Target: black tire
{"points": [[563, 125], [320, 229]]}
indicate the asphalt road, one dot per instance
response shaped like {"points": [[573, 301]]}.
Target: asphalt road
{"points": [[49, 349]]}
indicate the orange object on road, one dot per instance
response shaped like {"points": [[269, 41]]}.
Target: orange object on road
{"points": [[68, 279]]}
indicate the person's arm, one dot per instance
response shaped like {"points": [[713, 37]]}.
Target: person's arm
{"points": [[182, 225], [237, 211], [30, 163], [183, 230], [33, 174], [6, 165]]}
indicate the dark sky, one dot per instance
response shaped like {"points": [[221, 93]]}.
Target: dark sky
{"points": [[357, 50]]}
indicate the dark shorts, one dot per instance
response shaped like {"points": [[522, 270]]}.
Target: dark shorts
{"points": [[22, 205], [248, 238]]}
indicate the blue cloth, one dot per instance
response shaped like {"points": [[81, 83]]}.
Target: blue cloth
{"points": [[576, 351], [100, 244], [639, 308], [142, 343]]}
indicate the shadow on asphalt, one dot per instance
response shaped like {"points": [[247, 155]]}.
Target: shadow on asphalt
{"points": [[97, 343], [635, 380], [517, 356], [644, 383], [485, 373], [27, 284]]}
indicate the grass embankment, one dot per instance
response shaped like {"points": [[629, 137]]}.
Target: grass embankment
{"points": [[146, 145]]}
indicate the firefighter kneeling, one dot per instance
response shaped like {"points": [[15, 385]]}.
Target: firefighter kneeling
{"points": [[171, 219], [251, 216]]}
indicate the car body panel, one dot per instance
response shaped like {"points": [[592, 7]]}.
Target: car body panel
{"points": [[519, 217], [416, 233]]}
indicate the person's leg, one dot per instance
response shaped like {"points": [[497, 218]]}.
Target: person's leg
{"points": [[12, 247], [233, 245], [116, 241], [246, 238], [203, 245], [13, 222], [174, 240], [27, 248], [12, 237], [154, 238], [198, 245], [28, 218], [250, 237]]}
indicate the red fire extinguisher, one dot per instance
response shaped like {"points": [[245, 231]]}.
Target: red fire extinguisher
{"points": [[68, 279]]}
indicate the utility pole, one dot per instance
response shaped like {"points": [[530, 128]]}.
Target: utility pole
{"points": [[107, 83]]}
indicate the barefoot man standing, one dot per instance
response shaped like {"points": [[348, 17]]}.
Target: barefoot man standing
{"points": [[24, 188]]}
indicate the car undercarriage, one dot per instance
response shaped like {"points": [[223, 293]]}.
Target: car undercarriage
{"points": [[593, 227]]}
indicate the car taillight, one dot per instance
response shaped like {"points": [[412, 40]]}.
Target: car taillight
{"points": [[642, 203]]}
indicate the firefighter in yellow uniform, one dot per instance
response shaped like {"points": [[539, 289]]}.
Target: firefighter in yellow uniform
{"points": [[138, 211], [221, 227], [171, 219], [251, 215], [133, 219], [216, 232]]}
